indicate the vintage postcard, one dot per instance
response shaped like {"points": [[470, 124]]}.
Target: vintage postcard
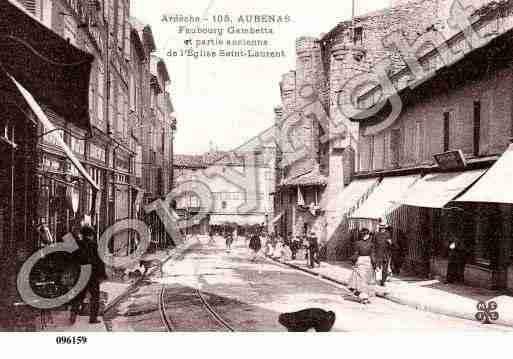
{"points": [[267, 166]]}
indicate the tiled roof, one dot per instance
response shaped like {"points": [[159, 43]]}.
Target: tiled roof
{"points": [[312, 178], [189, 161]]}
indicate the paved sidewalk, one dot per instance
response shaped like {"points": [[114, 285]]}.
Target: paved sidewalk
{"points": [[112, 291], [429, 295]]}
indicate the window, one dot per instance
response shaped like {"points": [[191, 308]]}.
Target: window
{"points": [[418, 142], [92, 93], [133, 92], [477, 126], [120, 121], [112, 103], [99, 105], [121, 24], [223, 205], [371, 152], [70, 30], [446, 134], [395, 147], [32, 6], [163, 141], [358, 35]]}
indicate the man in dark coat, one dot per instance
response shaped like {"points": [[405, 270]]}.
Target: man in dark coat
{"points": [[398, 249], [457, 260], [313, 249], [87, 253], [383, 242]]}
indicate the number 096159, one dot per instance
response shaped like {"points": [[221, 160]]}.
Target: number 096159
{"points": [[71, 340]]}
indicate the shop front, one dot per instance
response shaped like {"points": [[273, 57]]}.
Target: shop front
{"points": [[122, 203], [450, 222], [492, 199], [37, 186]]}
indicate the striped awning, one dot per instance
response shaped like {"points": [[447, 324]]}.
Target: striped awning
{"points": [[437, 189], [277, 218], [495, 185], [51, 130], [381, 201]]}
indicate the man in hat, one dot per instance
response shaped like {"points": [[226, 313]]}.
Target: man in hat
{"points": [[313, 248], [383, 243], [87, 254]]}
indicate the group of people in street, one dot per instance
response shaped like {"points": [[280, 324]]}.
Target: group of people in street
{"points": [[375, 256], [278, 247]]}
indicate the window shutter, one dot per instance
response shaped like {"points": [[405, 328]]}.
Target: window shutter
{"points": [[112, 104], [111, 17], [120, 23], [119, 127], [92, 95], [127, 32], [395, 145], [32, 6], [101, 83]]}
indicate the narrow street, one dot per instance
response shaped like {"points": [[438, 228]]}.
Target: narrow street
{"points": [[210, 289]]}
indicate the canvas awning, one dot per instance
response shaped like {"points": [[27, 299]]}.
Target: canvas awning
{"points": [[50, 129], [347, 198], [381, 201], [495, 185], [51, 69], [437, 189], [277, 218], [240, 219]]}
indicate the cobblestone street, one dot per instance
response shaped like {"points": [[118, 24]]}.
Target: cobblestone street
{"points": [[210, 289]]}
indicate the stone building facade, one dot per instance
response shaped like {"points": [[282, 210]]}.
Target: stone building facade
{"points": [[232, 204], [465, 106], [353, 164], [109, 148]]}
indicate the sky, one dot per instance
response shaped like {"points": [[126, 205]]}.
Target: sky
{"points": [[221, 103]]}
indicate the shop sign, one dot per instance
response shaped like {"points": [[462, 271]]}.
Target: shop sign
{"points": [[77, 145], [52, 164], [96, 152], [451, 160], [122, 164]]}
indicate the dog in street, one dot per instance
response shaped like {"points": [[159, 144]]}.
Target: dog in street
{"points": [[306, 319]]}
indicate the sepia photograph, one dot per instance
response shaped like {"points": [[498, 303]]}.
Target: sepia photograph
{"points": [[217, 166]]}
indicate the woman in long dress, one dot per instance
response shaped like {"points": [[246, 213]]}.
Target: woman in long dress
{"points": [[362, 281], [255, 244]]}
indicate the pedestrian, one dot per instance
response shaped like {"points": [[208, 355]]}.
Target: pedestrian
{"points": [[294, 246], [383, 245], [362, 279], [398, 252], [313, 249], [457, 260], [211, 240], [87, 254], [255, 244], [229, 240]]}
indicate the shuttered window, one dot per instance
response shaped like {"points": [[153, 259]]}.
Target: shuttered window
{"points": [[126, 130], [92, 94], [32, 6], [111, 17], [120, 102], [120, 24], [100, 96], [127, 48], [419, 141], [112, 103], [395, 147]]}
